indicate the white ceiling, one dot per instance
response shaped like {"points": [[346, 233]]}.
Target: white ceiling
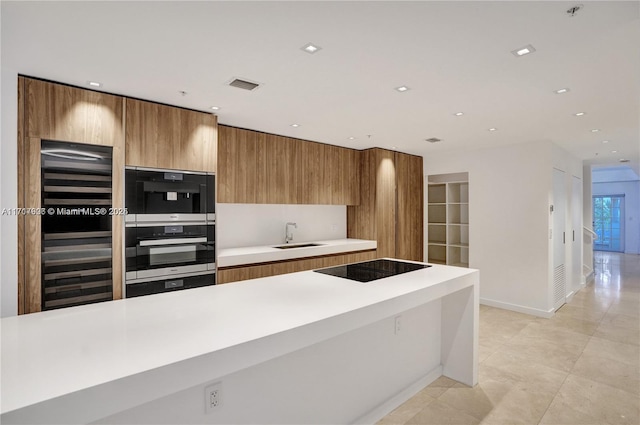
{"points": [[455, 56]]}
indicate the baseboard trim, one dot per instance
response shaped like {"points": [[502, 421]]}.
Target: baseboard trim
{"points": [[518, 308], [589, 278], [569, 296], [388, 406]]}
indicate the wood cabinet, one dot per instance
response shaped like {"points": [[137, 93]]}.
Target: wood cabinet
{"points": [[50, 111], [60, 112], [260, 168], [254, 271], [390, 210], [161, 136], [410, 207]]}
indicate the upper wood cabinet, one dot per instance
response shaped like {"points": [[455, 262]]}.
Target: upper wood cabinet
{"points": [[161, 136], [260, 168], [59, 112], [391, 210]]}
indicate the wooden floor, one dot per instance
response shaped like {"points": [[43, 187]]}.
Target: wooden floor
{"points": [[580, 367]]}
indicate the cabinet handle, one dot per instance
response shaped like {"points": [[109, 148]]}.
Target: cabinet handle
{"points": [[574, 235], [563, 237]]}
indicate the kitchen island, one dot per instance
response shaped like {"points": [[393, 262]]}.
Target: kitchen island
{"points": [[298, 348]]}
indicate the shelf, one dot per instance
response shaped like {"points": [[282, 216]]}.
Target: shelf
{"points": [[458, 213], [457, 255], [437, 214], [458, 192], [458, 235], [437, 193], [448, 219], [437, 233], [437, 253]]}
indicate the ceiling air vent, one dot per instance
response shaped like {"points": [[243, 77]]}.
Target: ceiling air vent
{"points": [[243, 84], [433, 140], [624, 160]]}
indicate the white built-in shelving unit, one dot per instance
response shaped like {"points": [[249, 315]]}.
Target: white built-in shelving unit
{"points": [[448, 219]]}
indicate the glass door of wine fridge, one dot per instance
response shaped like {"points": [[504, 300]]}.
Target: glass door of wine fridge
{"points": [[76, 224]]}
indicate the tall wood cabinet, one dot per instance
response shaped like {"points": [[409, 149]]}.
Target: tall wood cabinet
{"points": [[56, 112], [261, 168], [391, 204]]}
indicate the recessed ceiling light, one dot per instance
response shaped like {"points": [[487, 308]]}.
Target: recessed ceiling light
{"points": [[459, 114], [393, 147], [561, 91], [523, 50], [492, 129], [614, 151], [351, 138], [94, 84], [311, 48], [605, 141], [295, 125], [579, 114], [595, 130], [215, 108], [402, 88]]}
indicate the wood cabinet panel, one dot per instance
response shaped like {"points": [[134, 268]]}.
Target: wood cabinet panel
{"points": [[33, 226], [386, 203], [59, 112], [361, 218], [264, 168], [410, 214], [312, 174], [161, 136], [234, 274], [21, 195], [391, 204]]}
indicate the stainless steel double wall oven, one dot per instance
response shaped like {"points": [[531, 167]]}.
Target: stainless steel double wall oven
{"points": [[170, 230]]}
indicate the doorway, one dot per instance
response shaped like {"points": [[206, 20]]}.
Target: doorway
{"points": [[608, 222]]}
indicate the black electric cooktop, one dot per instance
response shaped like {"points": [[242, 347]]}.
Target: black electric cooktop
{"points": [[369, 271]]}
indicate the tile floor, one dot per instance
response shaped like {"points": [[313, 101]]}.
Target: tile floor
{"points": [[580, 367]]}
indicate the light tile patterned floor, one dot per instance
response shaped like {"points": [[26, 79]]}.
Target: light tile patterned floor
{"points": [[580, 367]]}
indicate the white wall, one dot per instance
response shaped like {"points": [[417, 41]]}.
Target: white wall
{"points": [[509, 189], [263, 224], [631, 190], [587, 219], [8, 191]]}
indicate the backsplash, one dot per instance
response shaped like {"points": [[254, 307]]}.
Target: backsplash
{"points": [[239, 225]]}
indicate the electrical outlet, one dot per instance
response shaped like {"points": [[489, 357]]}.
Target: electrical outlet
{"points": [[398, 325], [213, 397]]}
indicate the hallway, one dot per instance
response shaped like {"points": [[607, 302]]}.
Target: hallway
{"points": [[582, 366]]}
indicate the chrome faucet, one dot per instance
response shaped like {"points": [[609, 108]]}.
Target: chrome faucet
{"points": [[288, 236]]}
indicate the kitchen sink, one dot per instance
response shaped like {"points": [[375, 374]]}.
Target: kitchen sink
{"points": [[297, 245]]}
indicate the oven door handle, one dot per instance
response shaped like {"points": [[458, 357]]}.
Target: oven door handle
{"points": [[175, 241]]}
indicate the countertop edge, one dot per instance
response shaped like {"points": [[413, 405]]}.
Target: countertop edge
{"points": [[230, 257]]}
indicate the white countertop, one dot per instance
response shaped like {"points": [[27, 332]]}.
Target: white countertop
{"points": [[262, 254], [62, 359]]}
